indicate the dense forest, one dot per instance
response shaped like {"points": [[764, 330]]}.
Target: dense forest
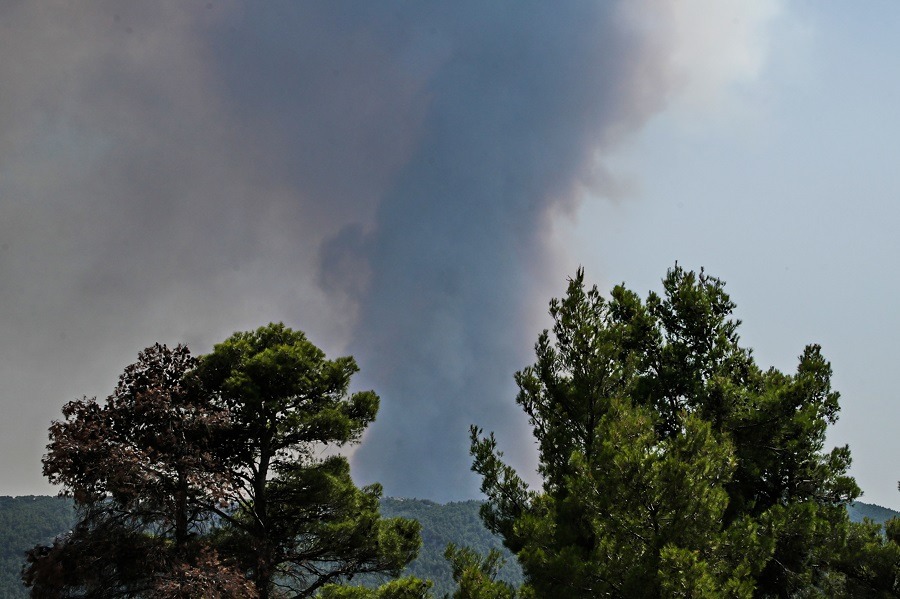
{"points": [[458, 523], [24, 523]]}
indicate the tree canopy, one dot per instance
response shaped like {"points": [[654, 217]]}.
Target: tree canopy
{"points": [[672, 465], [298, 518], [142, 472], [205, 477]]}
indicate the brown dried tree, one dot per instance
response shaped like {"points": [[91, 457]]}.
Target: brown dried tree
{"points": [[143, 471]]}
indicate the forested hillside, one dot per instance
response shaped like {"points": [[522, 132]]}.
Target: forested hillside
{"points": [[457, 523], [859, 511], [27, 521]]}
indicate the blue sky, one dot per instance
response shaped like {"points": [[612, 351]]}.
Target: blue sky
{"points": [[786, 186]]}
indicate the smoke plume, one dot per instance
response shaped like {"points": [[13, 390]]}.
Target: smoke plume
{"points": [[520, 104], [380, 175]]}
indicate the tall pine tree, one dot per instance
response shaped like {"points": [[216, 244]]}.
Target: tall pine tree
{"points": [[672, 465]]}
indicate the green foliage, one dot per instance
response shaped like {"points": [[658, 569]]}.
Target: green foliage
{"points": [[442, 524], [476, 576], [859, 511], [25, 522], [204, 478], [402, 588], [294, 518], [672, 465], [871, 559], [283, 394]]}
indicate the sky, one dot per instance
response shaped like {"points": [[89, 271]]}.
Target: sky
{"points": [[411, 183]]}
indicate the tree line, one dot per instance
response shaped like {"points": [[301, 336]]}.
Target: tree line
{"points": [[672, 466]]}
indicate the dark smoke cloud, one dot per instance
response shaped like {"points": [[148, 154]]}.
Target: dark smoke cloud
{"points": [[380, 175], [522, 100]]}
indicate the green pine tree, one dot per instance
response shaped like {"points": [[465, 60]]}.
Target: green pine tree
{"points": [[672, 465]]}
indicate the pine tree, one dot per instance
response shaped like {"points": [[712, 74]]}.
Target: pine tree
{"points": [[205, 477], [672, 465]]}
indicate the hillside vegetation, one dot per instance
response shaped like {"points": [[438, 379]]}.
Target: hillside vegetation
{"points": [[27, 521], [442, 524], [859, 511], [671, 464]]}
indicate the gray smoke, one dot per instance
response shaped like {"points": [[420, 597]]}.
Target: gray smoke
{"points": [[520, 102], [380, 175]]}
